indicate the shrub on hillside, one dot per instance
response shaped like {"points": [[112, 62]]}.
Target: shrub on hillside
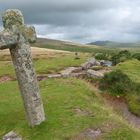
{"points": [[121, 57], [101, 56], [136, 56], [133, 102], [116, 82]]}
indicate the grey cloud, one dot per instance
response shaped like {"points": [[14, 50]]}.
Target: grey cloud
{"points": [[81, 20]]}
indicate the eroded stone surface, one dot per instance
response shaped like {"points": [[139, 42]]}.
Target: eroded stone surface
{"points": [[94, 74], [91, 133], [90, 62], [11, 136], [7, 39], [54, 75], [68, 71]]}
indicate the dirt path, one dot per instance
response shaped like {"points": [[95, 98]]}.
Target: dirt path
{"points": [[119, 105]]}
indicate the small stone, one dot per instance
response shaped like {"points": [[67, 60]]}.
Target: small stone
{"points": [[94, 74], [67, 72], [106, 63], [11, 136], [91, 133], [90, 62], [80, 74], [54, 75], [41, 77]]}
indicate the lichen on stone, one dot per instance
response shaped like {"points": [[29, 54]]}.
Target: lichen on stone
{"points": [[12, 17], [29, 33]]}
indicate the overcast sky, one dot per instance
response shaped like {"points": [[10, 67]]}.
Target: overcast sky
{"points": [[81, 20]]}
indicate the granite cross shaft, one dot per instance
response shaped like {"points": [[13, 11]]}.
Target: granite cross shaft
{"points": [[16, 37]]}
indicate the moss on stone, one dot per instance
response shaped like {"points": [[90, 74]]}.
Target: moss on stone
{"points": [[12, 17]]}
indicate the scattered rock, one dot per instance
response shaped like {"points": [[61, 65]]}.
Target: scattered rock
{"points": [[94, 74], [118, 104], [54, 75], [67, 72], [80, 74], [93, 134], [41, 77], [11, 136], [105, 63], [97, 68], [5, 79], [103, 71], [98, 63], [90, 62], [77, 55], [85, 69], [83, 112]]}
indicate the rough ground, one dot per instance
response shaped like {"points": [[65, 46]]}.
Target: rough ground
{"points": [[36, 53], [120, 106], [91, 132], [5, 79]]}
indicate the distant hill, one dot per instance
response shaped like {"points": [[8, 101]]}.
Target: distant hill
{"points": [[69, 46], [115, 44]]}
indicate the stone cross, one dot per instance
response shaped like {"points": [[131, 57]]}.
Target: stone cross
{"points": [[16, 37]]}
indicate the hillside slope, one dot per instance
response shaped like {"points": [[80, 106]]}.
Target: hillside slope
{"points": [[70, 46], [74, 109], [115, 44]]}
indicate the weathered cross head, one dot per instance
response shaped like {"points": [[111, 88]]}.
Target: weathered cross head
{"points": [[14, 26], [16, 36]]}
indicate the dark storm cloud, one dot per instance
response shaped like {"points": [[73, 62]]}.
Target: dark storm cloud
{"points": [[81, 20]]}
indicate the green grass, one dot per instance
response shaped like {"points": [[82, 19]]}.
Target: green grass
{"points": [[46, 65], [60, 98], [132, 69], [133, 102], [6, 68], [88, 49], [72, 47], [55, 64]]}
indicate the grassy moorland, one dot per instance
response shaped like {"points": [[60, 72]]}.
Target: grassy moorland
{"points": [[72, 106], [72, 47], [132, 68]]}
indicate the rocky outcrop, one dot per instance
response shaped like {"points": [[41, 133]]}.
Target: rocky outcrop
{"points": [[54, 75], [85, 69], [67, 72], [94, 74], [11, 136], [90, 62], [105, 63]]}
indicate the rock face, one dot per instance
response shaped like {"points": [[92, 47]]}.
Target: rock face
{"points": [[90, 62], [17, 42], [7, 39], [67, 72], [105, 63], [11, 136], [54, 75], [94, 74]]}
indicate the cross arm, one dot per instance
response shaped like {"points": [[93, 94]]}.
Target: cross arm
{"points": [[7, 39]]}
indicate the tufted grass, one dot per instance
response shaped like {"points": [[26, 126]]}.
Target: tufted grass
{"points": [[61, 98], [132, 69]]}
